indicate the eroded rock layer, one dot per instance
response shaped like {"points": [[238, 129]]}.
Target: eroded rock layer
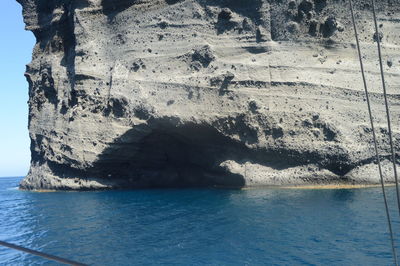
{"points": [[171, 93]]}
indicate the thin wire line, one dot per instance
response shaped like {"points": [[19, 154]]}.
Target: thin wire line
{"points": [[374, 134], [41, 254], [378, 40]]}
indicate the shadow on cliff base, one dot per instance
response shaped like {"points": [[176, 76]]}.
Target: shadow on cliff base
{"points": [[166, 153], [162, 155]]}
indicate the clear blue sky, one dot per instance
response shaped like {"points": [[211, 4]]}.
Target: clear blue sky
{"points": [[15, 52]]}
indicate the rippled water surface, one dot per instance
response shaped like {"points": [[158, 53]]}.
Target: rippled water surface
{"points": [[197, 226]]}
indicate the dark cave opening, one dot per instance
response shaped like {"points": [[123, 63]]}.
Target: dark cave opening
{"points": [[169, 156]]}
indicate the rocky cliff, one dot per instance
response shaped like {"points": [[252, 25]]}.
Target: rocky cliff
{"points": [[171, 93]]}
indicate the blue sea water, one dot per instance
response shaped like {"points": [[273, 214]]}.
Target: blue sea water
{"points": [[197, 226]]}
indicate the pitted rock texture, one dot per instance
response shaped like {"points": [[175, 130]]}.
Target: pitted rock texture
{"points": [[234, 93]]}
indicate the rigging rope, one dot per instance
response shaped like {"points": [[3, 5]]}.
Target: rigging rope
{"points": [[378, 40], [374, 134], [41, 254]]}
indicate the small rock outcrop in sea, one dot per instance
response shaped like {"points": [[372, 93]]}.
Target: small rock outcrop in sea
{"points": [[175, 93]]}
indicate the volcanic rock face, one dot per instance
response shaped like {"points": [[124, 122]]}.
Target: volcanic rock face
{"points": [[170, 93]]}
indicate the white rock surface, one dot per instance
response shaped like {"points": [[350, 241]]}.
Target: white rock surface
{"points": [[159, 93]]}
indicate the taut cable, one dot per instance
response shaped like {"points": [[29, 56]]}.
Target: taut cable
{"points": [[41, 254], [378, 40], [373, 134]]}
